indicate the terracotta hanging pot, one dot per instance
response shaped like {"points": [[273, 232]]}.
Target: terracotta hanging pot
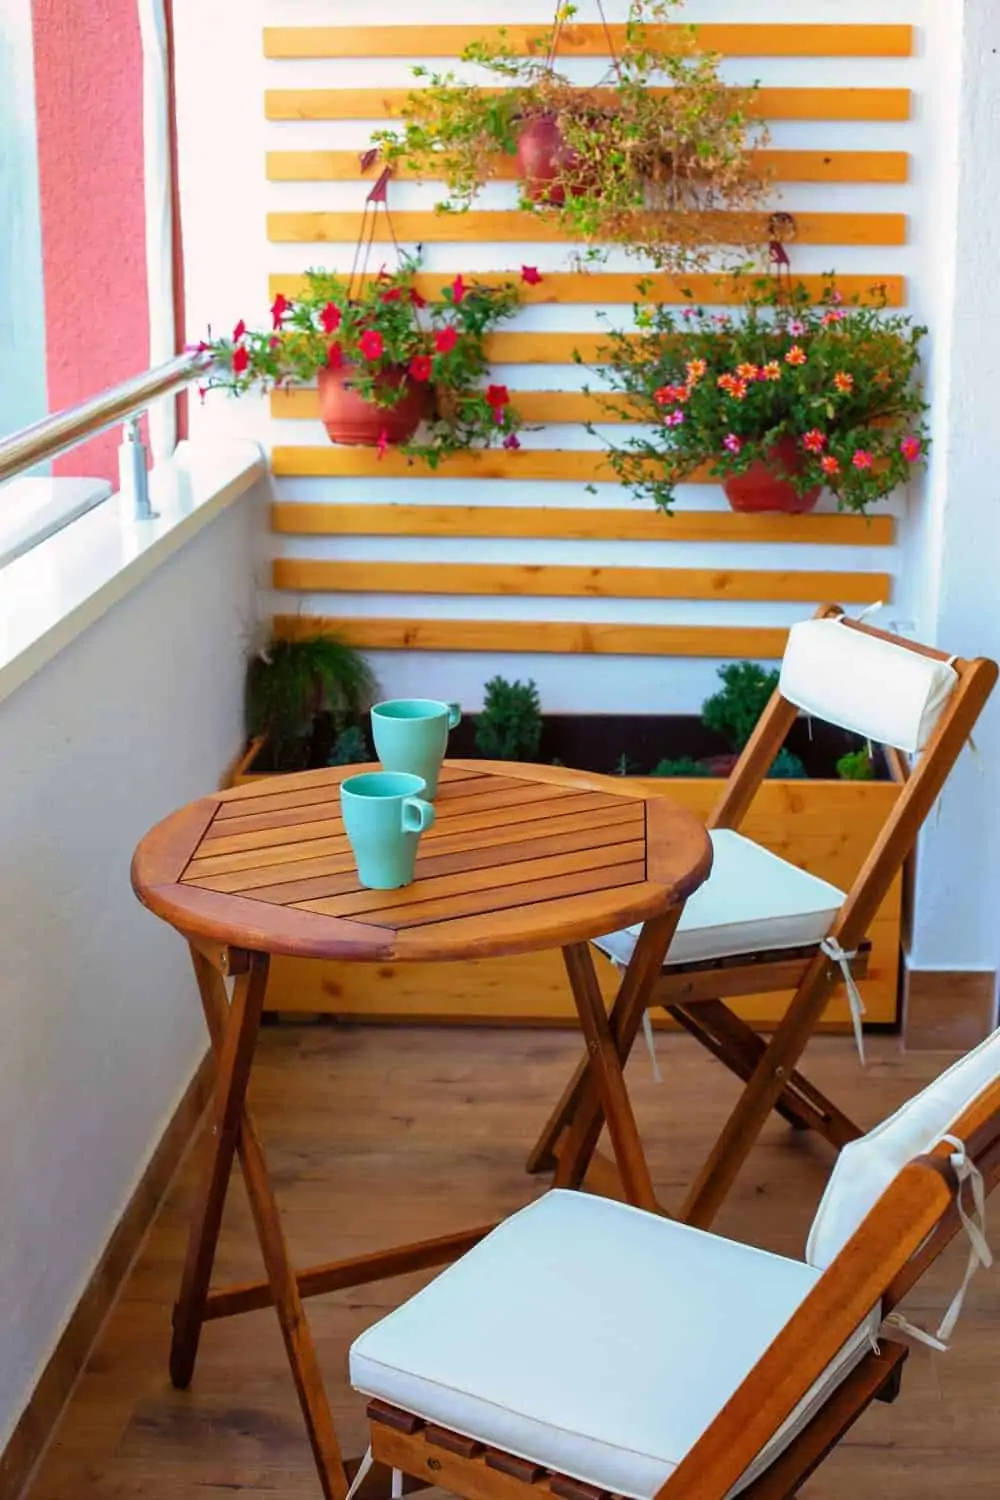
{"points": [[767, 483], [355, 422], [542, 156]]}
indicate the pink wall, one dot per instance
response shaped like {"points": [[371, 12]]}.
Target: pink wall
{"points": [[88, 81]]}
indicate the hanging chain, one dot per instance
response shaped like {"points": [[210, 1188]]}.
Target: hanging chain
{"points": [[559, 22]]}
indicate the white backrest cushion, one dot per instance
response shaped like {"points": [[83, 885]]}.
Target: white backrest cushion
{"points": [[867, 1166], [873, 687]]}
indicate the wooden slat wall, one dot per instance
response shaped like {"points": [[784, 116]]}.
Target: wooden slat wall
{"points": [[344, 496]]}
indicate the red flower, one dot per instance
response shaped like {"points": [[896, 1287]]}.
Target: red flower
{"points": [[334, 357], [829, 464], [201, 347], [814, 441], [458, 289], [330, 317], [911, 449], [512, 442], [445, 340], [497, 395], [393, 294], [279, 307], [530, 275], [239, 331], [382, 444], [202, 392], [862, 459], [420, 367], [417, 298], [371, 344], [274, 342], [241, 359]]}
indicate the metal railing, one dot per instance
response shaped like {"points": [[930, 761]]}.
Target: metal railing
{"points": [[122, 403]]}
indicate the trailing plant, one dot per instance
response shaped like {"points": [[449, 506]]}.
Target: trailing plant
{"points": [[290, 683], [510, 725], [391, 342], [856, 765], [638, 160], [734, 711], [350, 747], [835, 384]]}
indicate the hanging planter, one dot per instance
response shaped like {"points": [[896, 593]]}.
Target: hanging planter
{"points": [[391, 368], [662, 171], [769, 482], [776, 401]]}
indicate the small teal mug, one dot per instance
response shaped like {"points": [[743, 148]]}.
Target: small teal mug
{"points": [[384, 816], [411, 734]]}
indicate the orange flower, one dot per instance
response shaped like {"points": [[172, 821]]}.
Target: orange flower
{"points": [[697, 369], [747, 372], [796, 355], [844, 382], [770, 371], [829, 464], [726, 382], [738, 390]]}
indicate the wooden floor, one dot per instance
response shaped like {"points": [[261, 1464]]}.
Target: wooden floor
{"points": [[381, 1135]]}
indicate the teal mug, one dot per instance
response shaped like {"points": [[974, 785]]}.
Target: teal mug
{"points": [[411, 734], [384, 815]]}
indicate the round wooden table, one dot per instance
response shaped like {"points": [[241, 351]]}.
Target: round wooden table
{"points": [[520, 858]]}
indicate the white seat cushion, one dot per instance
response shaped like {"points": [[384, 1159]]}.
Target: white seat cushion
{"points": [[866, 1167], [592, 1338], [885, 692], [752, 901]]}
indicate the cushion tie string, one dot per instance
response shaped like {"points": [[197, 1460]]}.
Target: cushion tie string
{"points": [[834, 951], [361, 1475], [974, 1224], [649, 1034]]}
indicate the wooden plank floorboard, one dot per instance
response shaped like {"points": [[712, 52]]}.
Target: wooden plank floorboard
{"points": [[376, 1135]]}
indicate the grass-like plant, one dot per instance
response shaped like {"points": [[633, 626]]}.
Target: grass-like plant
{"points": [[290, 683]]}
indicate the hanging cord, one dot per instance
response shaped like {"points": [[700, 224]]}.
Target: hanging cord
{"points": [[557, 29], [363, 1469], [834, 951], [980, 1254], [377, 198], [650, 1035]]}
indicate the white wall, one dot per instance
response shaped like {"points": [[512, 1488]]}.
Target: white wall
{"points": [[102, 1028]]}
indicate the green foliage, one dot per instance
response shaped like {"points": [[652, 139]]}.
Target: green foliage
{"points": [[787, 767], [290, 682], [835, 385], [635, 164], [856, 765], [683, 765], [510, 725], [734, 711], [381, 332], [350, 748]]}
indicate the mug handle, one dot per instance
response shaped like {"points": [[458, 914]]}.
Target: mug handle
{"points": [[454, 715], [417, 814]]}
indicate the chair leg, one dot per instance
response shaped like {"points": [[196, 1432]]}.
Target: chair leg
{"points": [[223, 1020], [766, 1085], [736, 1044], [610, 1083]]}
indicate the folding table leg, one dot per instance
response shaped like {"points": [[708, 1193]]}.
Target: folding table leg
{"points": [[610, 1083], [581, 1107], [225, 1022], [766, 1085]]}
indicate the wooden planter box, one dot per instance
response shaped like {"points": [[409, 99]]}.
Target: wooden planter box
{"points": [[826, 827]]}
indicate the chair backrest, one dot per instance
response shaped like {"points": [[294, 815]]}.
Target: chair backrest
{"points": [[866, 1167], [865, 681]]}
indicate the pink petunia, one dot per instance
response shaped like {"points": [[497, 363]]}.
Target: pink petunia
{"points": [[911, 448], [512, 442], [732, 443], [279, 307], [796, 328], [458, 289], [330, 318], [445, 340], [862, 459], [675, 419], [530, 275], [382, 444], [239, 331], [241, 359], [814, 441]]}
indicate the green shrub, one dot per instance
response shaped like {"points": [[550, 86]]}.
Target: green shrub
{"points": [[350, 748], [734, 711], [684, 765], [788, 766], [856, 765], [510, 725]]}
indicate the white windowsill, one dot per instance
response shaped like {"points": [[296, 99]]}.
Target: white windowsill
{"points": [[60, 587]]}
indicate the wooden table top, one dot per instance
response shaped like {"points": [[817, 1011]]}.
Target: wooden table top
{"points": [[520, 858]]}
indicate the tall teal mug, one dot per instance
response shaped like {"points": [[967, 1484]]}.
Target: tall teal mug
{"points": [[411, 734], [384, 815]]}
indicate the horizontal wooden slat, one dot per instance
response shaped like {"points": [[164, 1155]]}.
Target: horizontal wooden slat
{"points": [[781, 166], [589, 40], [326, 575], [533, 406], [768, 104], [605, 287], [514, 226], [725, 642], [336, 462], [621, 525]]}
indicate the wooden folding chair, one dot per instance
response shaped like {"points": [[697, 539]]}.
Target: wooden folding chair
{"points": [[760, 924], [589, 1349]]}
